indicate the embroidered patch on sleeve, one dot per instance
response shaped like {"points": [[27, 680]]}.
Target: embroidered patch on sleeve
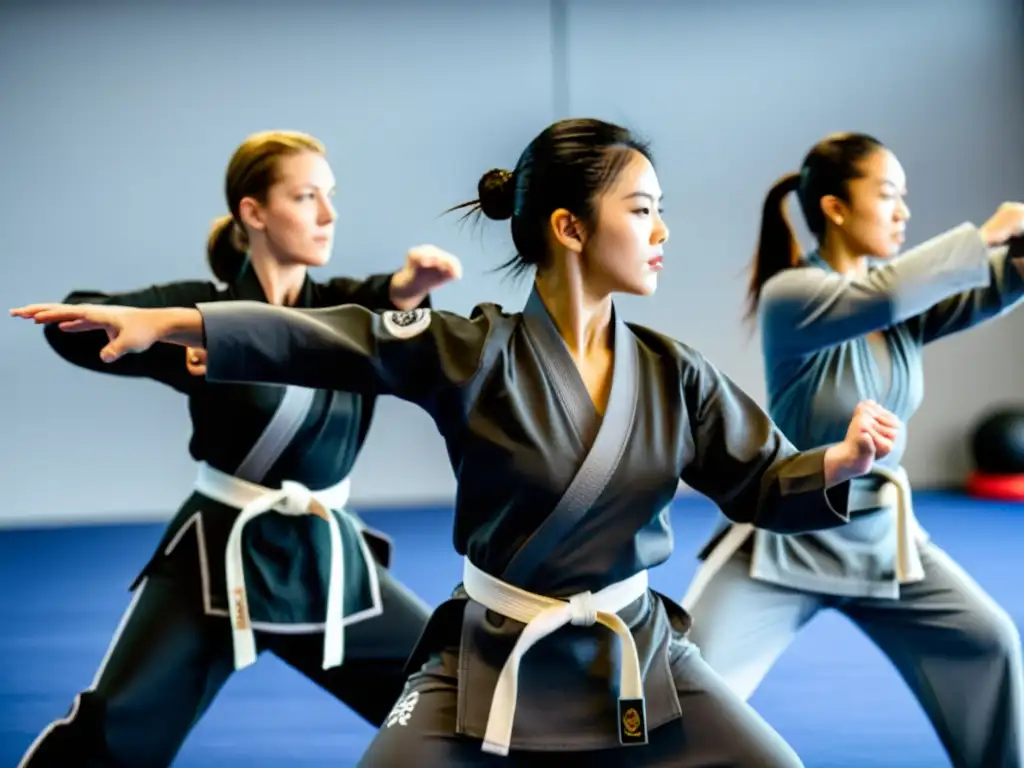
{"points": [[405, 325]]}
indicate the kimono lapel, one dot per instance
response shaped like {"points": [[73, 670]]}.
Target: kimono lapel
{"points": [[295, 403], [603, 451]]}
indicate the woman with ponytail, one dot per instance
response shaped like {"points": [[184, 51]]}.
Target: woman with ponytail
{"points": [[264, 554], [836, 330]]}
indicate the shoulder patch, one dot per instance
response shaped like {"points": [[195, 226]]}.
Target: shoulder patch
{"points": [[405, 325]]}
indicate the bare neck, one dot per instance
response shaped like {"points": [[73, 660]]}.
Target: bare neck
{"points": [[582, 316], [281, 283], [841, 257]]}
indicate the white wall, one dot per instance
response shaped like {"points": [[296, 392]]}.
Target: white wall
{"points": [[119, 120], [735, 93]]}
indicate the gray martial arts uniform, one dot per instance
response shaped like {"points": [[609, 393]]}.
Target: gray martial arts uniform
{"points": [[559, 501], [958, 650], [175, 649]]}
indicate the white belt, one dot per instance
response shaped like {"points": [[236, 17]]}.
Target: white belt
{"points": [[292, 499], [908, 531], [716, 558], [542, 617]]}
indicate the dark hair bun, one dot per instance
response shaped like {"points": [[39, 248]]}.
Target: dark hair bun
{"points": [[496, 192]]}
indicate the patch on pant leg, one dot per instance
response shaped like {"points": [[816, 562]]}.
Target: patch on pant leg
{"points": [[402, 711]]}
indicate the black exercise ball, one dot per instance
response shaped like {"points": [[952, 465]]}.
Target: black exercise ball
{"points": [[997, 443]]}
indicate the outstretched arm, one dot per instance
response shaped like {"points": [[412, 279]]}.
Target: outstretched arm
{"points": [[970, 308], [131, 329], [806, 309], [413, 355], [410, 355], [162, 362]]}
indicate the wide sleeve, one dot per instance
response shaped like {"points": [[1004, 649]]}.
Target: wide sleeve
{"points": [[416, 355], [970, 308], [373, 293], [161, 362], [743, 462], [806, 309]]}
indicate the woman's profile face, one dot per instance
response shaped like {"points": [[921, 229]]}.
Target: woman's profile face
{"points": [[874, 220], [297, 218], [624, 252]]}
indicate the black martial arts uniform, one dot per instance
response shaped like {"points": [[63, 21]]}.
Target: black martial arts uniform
{"points": [[560, 512], [174, 649]]}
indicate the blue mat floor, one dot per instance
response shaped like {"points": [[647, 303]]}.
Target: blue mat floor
{"points": [[832, 695]]}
